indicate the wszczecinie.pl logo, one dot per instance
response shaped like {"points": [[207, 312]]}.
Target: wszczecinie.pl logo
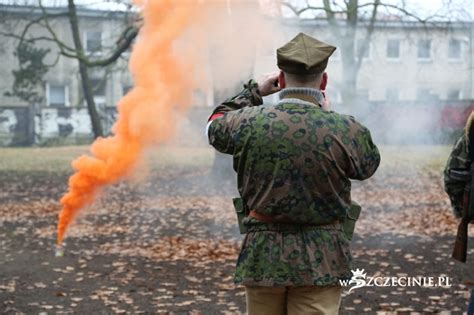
{"points": [[359, 279]]}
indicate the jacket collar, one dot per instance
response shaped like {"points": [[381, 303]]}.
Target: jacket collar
{"points": [[302, 94]]}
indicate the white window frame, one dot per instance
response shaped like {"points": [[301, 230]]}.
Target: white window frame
{"points": [[460, 48], [66, 94], [424, 59], [399, 50], [100, 102], [86, 50]]}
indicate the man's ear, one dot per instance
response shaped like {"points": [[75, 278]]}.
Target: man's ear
{"points": [[324, 81], [281, 80]]}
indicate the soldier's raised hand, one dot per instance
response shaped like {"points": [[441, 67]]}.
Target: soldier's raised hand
{"points": [[268, 84]]}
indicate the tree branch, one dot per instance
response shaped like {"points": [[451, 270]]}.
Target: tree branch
{"points": [[368, 35], [328, 9], [334, 26], [298, 12], [123, 43], [324, 8], [55, 62], [406, 12], [63, 47], [352, 13], [28, 40]]}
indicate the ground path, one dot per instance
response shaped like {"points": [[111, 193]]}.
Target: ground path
{"points": [[168, 244]]}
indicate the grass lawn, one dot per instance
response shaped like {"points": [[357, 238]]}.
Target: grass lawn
{"points": [[169, 245], [432, 157], [58, 159]]}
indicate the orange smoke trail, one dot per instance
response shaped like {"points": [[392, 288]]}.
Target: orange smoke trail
{"points": [[163, 86]]}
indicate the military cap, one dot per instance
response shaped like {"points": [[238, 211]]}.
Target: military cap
{"points": [[304, 55]]}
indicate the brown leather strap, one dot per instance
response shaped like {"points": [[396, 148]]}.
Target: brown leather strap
{"points": [[269, 219], [261, 217]]}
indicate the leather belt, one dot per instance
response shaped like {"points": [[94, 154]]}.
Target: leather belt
{"points": [[269, 219], [261, 217]]}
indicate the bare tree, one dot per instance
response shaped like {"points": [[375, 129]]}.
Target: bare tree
{"points": [[44, 17], [345, 20]]}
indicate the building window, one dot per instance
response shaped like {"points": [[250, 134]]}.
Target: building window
{"points": [[454, 94], [57, 95], [454, 49], [393, 49], [360, 46], [93, 40], [392, 95], [424, 49], [98, 87]]}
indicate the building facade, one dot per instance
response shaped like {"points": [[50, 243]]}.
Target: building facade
{"points": [[60, 110], [405, 63]]}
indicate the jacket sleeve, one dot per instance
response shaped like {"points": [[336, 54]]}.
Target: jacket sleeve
{"points": [[364, 154], [455, 185], [224, 120]]}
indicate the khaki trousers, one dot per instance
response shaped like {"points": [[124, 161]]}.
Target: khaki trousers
{"points": [[293, 300]]}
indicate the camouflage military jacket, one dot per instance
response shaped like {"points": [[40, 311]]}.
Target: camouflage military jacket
{"points": [[294, 162], [453, 185]]}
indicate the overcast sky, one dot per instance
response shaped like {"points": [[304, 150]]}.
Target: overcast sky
{"points": [[456, 9]]}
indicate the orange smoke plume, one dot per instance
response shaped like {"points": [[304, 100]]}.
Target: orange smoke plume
{"points": [[147, 114]]}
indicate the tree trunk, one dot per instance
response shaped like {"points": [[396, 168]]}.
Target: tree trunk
{"points": [[83, 71], [349, 66], [349, 83], [351, 53]]}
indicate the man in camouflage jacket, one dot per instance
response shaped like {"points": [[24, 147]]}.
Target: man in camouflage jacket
{"points": [[455, 187], [458, 160], [294, 162]]}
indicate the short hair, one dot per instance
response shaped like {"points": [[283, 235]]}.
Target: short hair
{"points": [[305, 79]]}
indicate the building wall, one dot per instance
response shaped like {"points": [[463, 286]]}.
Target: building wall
{"points": [[65, 71], [378, 74], [407, 74]]}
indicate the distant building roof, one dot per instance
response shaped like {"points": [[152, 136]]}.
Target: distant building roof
{"points": [[388, 21], [81, 11]]}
